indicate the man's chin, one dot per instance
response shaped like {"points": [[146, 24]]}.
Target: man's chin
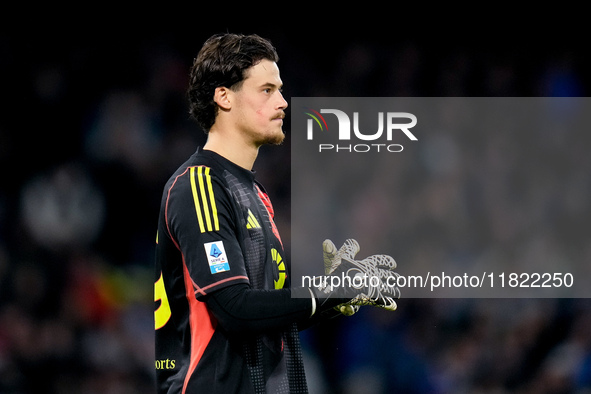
{"points": [[275, 139]]}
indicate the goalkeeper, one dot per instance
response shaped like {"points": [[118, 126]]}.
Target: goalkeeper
{"points": [[226, 317]]}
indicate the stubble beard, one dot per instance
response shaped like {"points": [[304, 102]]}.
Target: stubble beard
{"points": [[275, 138]]}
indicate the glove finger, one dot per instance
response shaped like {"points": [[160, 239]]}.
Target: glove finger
{"points": [[329, 248], [381, 261], [390, 284], [329, 251], [388, 304], [384, 282], [349, 249], [391, 291]]}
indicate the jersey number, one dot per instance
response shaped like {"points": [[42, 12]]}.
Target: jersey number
{"points": [[162, 314]]}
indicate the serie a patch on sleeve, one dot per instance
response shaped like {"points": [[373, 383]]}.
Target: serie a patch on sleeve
{"points": [[216, 256]]}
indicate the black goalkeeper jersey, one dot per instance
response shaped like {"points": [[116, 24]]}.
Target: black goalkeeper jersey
{"points": [[216, 229]]}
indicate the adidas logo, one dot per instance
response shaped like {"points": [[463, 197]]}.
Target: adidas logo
{"points": [[252, 221]]}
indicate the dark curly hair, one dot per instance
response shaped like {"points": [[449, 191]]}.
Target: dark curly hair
{"points": [[223, 61]]}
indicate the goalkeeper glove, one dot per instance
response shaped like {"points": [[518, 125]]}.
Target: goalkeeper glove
{"points": [[353, 283]]}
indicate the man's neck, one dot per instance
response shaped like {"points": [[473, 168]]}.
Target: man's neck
{"points": [[233, 149]]}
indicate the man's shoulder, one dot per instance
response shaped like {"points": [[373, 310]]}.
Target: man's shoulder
{"points": [[197, 164], [198, 181]]}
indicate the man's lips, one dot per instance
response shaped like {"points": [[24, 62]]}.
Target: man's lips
{"points": [[279, 118]]}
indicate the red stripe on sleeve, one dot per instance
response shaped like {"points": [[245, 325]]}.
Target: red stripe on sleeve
{"points": [[201, 323]]}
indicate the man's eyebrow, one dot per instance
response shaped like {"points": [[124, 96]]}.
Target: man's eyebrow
{"points": [[271, 85]]}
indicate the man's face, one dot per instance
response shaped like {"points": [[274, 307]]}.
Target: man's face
{"points": [[259, 105]]}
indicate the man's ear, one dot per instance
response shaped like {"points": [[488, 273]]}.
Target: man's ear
{"points": [[221, 96]]}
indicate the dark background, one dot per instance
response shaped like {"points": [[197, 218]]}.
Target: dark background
{"points": [[94, 120]]}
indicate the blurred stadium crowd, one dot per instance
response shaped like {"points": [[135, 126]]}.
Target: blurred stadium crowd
{"points": [[93, 126]]}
